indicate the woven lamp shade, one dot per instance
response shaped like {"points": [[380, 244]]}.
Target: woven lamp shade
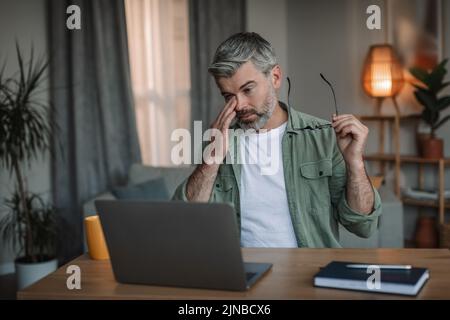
{"points": [[382, 73]]}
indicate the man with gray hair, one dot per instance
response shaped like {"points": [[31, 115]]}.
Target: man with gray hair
{"points": [[322, 180]]}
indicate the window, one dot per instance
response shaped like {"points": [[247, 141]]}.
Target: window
{"points": [[158, 42]]}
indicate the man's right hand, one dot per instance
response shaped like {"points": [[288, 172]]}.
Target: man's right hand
{"points": [[201, 181], [222, 123]]}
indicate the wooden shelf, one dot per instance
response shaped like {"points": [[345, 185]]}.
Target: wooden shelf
{"points": [[390, 117], [403, 158], [424, 203], [397, 159]]}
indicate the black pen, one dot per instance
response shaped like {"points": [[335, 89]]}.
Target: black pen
{"points": [[381, 266]]}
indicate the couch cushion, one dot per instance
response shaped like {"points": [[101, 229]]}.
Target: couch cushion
{"points": [[173, 176], [154, 189]]}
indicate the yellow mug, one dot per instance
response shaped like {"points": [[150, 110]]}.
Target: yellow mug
{"points": [[95, 239]]}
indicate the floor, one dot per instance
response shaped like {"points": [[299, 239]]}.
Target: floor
{"points": [[8, 287]]}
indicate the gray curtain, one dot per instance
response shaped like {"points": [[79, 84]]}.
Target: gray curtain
{"points": [[93, 107], [210, 23]]}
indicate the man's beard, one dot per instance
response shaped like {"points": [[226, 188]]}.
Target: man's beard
{"points": [[263, 116]]}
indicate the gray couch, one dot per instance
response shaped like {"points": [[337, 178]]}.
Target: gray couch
{"points": [[389, 234], [139, 173]]}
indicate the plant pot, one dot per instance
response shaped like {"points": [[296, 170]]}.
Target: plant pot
{"points": [[426, 233], [29, 272], [444, 236], [431, 148], [420, 137]]}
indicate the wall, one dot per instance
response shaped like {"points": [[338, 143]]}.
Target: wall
{"points": [[25, 21], [269, 18]]}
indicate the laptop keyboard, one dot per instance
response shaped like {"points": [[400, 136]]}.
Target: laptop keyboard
{"points": [[249, 275]]}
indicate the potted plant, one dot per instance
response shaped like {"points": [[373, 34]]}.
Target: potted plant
{"points": [[426, 93], [29, 224]]}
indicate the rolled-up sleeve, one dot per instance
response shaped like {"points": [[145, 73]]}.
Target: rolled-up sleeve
{"points": [[361, 224], [180, 192]]}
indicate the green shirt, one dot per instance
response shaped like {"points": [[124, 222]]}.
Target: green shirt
{"points": [[315, 179]]}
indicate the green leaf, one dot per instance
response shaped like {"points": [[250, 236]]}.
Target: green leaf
{"points": [[442, 86], [443, 103], [427, 99], [420, 74], [430, 116], [437, 76], [435, 79], [418, 87], [443, 63]]}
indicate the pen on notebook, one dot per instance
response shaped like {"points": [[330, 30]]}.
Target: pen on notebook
{"points": [[381, 266]]}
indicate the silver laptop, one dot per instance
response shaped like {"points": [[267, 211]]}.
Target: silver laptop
{"points": [[176, 244]]}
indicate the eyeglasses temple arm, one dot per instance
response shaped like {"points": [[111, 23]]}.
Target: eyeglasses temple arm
{"points": [[332, 90]]}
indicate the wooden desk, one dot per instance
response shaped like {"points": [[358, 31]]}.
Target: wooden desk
{"points": [[290, 278]]}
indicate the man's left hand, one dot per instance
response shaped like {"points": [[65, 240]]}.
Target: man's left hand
{"points": [[351, 136]]}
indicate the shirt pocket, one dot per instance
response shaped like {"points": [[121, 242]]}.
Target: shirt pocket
{"points": [[315, 176], [224, 189]]}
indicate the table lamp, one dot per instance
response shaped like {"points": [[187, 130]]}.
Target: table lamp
{"points": [[382, 78], [382, 73]]}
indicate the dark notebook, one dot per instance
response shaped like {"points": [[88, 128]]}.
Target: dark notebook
{"points": [[338, 274]]}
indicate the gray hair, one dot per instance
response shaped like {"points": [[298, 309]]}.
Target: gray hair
{"points": [[240, 48]]}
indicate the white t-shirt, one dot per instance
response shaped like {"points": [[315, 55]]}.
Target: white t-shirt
{"points": [[265, 218]]}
